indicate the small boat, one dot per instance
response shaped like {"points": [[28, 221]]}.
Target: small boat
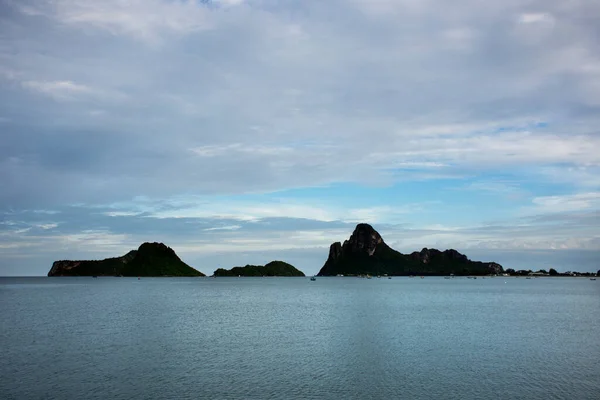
{"points": [[94, 276], [369, 276], [446, 277], [389, 277], [312, 278], [592, 279]]}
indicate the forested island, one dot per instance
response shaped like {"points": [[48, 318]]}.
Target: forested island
{"points": [[274, 268], [150, 259], [365, 253], [550, 272]]}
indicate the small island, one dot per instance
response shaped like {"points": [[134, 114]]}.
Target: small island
{"points": [[150, 259], [365, 253], [274, 268]]}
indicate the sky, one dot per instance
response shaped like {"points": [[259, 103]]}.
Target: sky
{"points": [[245, 131]]}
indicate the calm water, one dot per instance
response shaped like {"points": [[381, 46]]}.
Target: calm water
{"points": [[289, 338]]}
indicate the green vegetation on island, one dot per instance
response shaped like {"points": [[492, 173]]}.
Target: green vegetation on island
{"points": [[274, 268], [150, 259], [365, 253], [551, 272]]}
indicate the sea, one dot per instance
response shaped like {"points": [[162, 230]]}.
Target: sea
{"points": [[292, 338]]}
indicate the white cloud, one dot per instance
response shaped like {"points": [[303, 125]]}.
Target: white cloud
{"points": [[494, 187], [121, 213], [224, 228], [583, 176], [390, 7], [530, 18], [564, 203], [229, 149], [48, 212], [147, 20], [229, 3], [272, 241], [310, 209], [57, 89], [46, 226], [98, 238], [248, 211], [71, 91]]}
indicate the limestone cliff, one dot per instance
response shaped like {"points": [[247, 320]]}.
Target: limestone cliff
{"points": [[365, 252]]}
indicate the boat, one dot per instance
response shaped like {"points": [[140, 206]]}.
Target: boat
{"points": [[592, 279], [94, 276], [389, 277], [369, 276], [312, 278]]}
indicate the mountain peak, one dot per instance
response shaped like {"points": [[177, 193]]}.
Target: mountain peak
{"points": [[155, 248], [365, 252], [364, 239], [150, 259]]}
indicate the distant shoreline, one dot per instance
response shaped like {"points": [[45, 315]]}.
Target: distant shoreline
{"points": [[345, 276]]}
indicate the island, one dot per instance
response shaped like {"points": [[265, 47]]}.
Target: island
{"points": [[274, 268], [150, 259], [551, 273], [365, 253]]}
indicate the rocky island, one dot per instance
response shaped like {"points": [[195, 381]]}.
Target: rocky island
{"points": [[274, 268], [366, 253], [150, 259]]}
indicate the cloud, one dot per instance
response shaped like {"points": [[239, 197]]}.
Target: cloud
{"points": [[92, 233], [530, 18], [574, 202], [393, 112], [224, 228], [60, 90], [143, 20], [47, 226]]}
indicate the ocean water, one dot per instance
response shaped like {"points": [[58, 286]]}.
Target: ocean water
{"points": [[290, 338]]}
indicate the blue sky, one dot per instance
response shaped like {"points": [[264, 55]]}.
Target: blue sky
{"points": [[242, 131]]}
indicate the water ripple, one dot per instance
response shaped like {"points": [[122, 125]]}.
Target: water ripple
{"points": [[291, 339]]}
